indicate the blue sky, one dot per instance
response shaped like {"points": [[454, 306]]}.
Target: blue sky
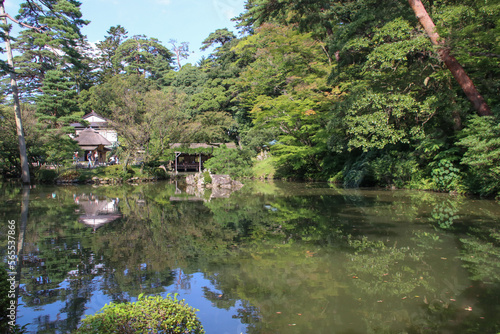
{"points": [[183, 20]]}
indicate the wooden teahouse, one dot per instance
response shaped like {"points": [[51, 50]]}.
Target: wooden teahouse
{"points": [[187, 161], [91, 141]]}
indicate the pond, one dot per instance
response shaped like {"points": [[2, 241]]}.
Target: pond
{"points": [[272, 257]]}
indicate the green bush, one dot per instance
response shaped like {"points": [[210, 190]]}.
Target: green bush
{"points": [[207, 179], [116, 171], [160, 173], [481, 139], [69, 175], [337, 178], [152, 314], [235, 162], [395, 169], [357, 173], [446, 176], [45, 175]]}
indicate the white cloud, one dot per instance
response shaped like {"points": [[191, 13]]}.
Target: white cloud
{"points": [[227, 9]]}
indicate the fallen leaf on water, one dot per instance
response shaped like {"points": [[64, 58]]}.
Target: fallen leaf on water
{"points": [[299, 313], [453, 300], [443, 258], [278, 312], [379, 301], [292, 324], [468, 308], [309, 254], [404, 297]]}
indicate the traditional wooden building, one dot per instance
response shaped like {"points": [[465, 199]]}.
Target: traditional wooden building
{"points": [[100, 125], [90, 140], [187, 160]]}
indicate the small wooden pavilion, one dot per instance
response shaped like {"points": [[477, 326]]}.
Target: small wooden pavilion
{"points": [[91, 141], [188, 161]]}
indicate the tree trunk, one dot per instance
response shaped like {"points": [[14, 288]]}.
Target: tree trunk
{"points": [[25, 176], [125, 163], [453, 65]]}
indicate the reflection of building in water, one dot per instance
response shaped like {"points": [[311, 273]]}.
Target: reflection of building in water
{"points": [[97, 211]]}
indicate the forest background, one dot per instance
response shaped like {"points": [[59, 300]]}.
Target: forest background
{"points": [[350, 91]]}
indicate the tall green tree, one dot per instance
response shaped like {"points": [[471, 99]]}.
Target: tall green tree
{"points": [[58, 101], [285, 89], [143, 56], [220, 36], [107, 50], [166, 120], [25, 174], [55, 46]]}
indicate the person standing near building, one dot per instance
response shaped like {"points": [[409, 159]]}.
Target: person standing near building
{"points": [[96, 158], [89, 158]]}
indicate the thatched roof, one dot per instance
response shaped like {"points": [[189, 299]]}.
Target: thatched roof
{"points": [[89, 137]]}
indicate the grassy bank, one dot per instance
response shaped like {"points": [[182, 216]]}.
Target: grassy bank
{"points": [[83, 175]]}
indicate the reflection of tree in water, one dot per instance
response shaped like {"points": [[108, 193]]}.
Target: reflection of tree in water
{"points": [[444, 213], [51, 255], [272, 264], [385, 276], [182, 281]]}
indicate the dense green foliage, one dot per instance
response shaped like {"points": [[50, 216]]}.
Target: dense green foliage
{"points": [[347, 91], [147, 315], [236, 163]]}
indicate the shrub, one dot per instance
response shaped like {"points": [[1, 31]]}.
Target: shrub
{"points": [[207, 179], [152, 314], [446, 176], [395, 169], [235, 162], [337, 178], [160, 173], [357, 172], [69, 175], [116, 171], [481, 139], [45, 175]]}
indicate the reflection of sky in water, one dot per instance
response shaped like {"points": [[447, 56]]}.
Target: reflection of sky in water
{"points": [[214, 320], [35, 315]]}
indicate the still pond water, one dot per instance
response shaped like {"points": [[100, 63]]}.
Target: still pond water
{"points": [[269, 258]]}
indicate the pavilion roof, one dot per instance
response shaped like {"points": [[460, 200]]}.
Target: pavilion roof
{"points": [[89, 137], [201, 145]]}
